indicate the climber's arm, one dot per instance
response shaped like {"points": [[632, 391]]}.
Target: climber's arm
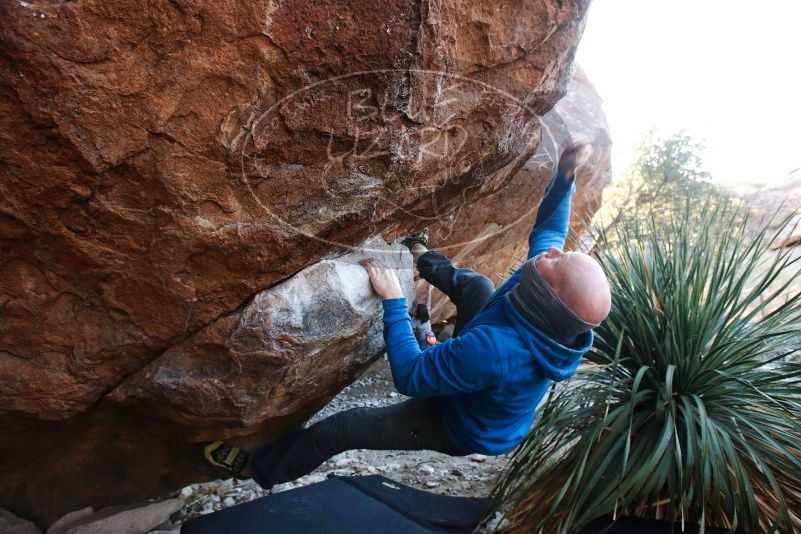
{"points": [[551, 225], [462, 364], [553, 216]]}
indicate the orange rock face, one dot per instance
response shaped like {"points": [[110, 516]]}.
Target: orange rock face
{"points": [[160, 165]]}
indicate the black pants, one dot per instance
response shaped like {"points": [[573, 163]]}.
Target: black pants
{"points": [[467, 289], [415, 424]]}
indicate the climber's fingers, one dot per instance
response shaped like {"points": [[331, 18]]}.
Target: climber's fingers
{"points": [[374, 262], [385, 281], [576, 153]]}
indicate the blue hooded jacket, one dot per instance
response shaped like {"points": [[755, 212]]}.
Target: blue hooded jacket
{"points": [[489, 379]]}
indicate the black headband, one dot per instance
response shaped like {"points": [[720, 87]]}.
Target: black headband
{"points": [[537, 302]]}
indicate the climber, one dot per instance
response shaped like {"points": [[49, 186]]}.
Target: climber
{"points": [[476, 392]]}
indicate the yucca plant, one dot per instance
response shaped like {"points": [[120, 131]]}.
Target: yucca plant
{"points": [[688, 408]]}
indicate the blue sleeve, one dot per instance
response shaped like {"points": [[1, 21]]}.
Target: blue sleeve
{"points": [[462, 364], [553, 218], [552, 223]]}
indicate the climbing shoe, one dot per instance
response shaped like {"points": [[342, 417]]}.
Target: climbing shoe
{"points": [[225, 458], [417, 237]]}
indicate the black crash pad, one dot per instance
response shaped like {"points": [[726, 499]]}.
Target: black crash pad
{"points": [[347, 505], [377, 505]]}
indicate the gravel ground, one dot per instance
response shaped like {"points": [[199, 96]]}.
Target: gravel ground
{"points": [[472, 475]]}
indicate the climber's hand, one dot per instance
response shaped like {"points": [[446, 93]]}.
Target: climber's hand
{"points": [[577, 151], [384, 280]]}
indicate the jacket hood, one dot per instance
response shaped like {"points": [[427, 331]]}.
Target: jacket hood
{"points": [[557, 361]]}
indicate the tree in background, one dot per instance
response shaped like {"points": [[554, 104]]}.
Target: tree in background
{"points": [[667, 174], [670, 165]]}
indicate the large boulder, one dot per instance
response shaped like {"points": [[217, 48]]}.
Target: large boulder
{"points": [[161, 166], [489, 234]]}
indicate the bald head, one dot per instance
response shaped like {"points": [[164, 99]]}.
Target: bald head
{"points": [[579, 281]]}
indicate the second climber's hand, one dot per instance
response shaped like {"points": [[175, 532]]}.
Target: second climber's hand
{"points": [[576, 153], [385, 281]]}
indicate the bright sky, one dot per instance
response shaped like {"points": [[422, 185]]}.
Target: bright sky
{"points": [[729, 72]]}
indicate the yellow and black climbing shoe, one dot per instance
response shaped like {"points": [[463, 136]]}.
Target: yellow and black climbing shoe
{"points": [[417, 237], [225, 458]]}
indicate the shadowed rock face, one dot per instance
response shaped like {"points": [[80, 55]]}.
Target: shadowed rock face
{"points": [[162, 166], [489, 235]]}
